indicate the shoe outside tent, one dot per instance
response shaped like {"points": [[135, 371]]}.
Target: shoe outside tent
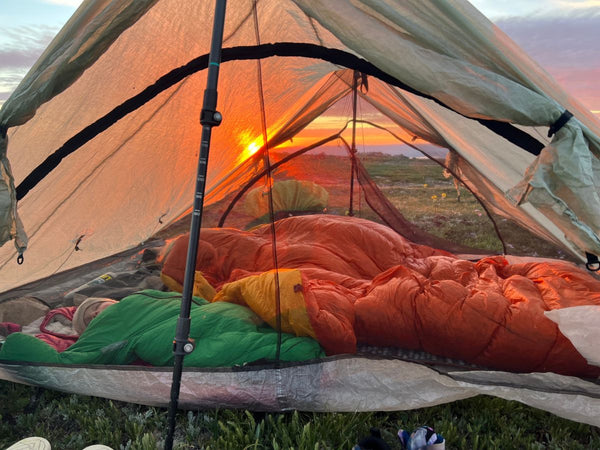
{"points": [[100, 142]]}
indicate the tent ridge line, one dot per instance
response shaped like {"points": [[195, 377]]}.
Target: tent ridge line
{"points": [[238, 53]]}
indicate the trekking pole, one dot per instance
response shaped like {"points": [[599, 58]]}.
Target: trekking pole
{"points": [[209, 118]]}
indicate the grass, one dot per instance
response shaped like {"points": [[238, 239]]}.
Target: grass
{"points": [[73, 422], [426, 199]]}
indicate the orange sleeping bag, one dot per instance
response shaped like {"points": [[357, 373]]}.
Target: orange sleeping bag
{"points": [[361, 282], [342, 247], [488, 313]]}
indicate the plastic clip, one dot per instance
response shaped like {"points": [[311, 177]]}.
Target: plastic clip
{"points": [[20, 259]]}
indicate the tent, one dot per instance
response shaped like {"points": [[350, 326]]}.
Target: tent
{"points": [[102, 137]]}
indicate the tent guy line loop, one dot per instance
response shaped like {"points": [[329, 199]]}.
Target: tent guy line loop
{"points": [[239, 53], [79, 239]]}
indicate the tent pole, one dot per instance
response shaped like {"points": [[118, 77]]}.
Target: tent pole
{"points": [[209, 118], [353, 149]]}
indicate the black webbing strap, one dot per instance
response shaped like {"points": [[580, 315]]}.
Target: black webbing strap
{"points": [[564, 118], [592, 264], [241, 53], [3, 131]]}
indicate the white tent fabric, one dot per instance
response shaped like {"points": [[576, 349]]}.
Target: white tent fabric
{"points": [[134, 179], [501, 170], [335, 384], [572, 323], [85, 37]]}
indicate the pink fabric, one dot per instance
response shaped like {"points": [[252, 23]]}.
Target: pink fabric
{"points": [[60, 344], [10, 327], [66, 311], [59, 341]]}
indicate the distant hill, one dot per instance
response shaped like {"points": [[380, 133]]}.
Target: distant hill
{"points": [[396, 150]]}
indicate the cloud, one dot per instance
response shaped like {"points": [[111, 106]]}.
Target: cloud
{"points": [[577, 4], [64, 2], [494, 9], [566, 47], [537, 8], [560, 42], [20, 48]]}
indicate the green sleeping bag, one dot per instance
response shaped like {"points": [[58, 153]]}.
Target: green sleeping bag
{"points": [[142, 327]]}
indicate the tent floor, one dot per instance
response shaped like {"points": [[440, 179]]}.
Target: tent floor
{"points": [[341, 383], [375, 379]]}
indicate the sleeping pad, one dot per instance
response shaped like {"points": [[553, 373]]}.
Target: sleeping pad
{"points": [[142, 327], [355, 281]]}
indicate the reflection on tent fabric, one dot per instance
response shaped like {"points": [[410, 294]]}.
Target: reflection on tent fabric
{"points": [[102, 137]]}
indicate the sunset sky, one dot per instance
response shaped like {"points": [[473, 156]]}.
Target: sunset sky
{"points": [[562, 35]]}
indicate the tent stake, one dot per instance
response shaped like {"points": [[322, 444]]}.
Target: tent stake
{"points": [[209, 118]]}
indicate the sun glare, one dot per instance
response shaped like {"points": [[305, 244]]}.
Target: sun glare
{"points": [[249, 144], [252, 149]]}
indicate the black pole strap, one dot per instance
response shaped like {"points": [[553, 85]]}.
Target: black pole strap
{"points": [[564, 118], [593, 263], [284, 49], [209, 117]]}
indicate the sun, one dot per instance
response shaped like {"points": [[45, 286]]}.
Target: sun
{"points": [[252, 148], [249, 145]]}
